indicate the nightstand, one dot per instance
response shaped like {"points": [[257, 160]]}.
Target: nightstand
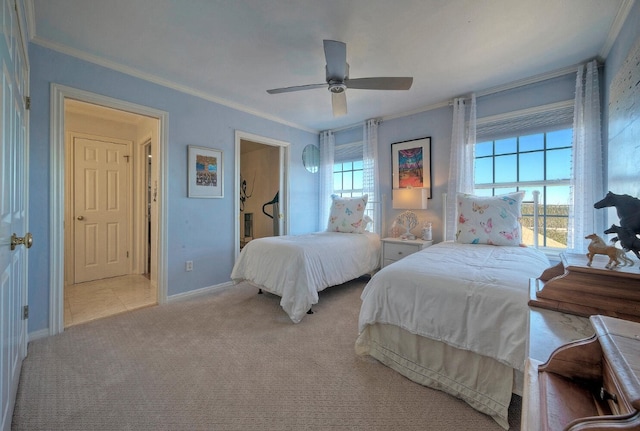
{"points": [[394, 249]]}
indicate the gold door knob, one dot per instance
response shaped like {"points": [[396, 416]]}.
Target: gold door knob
{"points": [[80, 218], [26, 240]]}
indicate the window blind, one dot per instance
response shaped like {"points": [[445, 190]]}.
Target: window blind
{"points": [[525, 122], [348, 152]]}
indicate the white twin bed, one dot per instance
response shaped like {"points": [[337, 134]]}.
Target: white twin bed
{"points": [[454, 316], [297, 267]]}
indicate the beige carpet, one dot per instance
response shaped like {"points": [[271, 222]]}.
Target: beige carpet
{"points": [[228, 361]]}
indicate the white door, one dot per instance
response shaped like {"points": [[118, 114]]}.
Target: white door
{"points": [[13, 212], [101, 209]]}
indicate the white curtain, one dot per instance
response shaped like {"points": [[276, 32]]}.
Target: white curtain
{"points": [[463, 140], [327, 146], [587, 166], [370, 171]]}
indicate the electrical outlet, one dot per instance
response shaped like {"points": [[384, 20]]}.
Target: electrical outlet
{"points": [[188, 265]]}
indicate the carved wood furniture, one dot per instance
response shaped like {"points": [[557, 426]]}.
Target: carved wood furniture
{"points": [[589, 384], [573, 287]]}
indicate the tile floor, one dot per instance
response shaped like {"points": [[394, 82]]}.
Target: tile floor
{"points": [[92, 300]]}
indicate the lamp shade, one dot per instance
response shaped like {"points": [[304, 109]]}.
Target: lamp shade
{"points": [[410, 198]]}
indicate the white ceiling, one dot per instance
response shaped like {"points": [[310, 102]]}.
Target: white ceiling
{"points": [[232, 51]]}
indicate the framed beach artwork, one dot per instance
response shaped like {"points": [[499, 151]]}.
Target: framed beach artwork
{"points": [[411, 164], [205, 172]]}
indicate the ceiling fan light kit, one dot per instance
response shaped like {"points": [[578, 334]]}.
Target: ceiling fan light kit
{"points": [[337, 87], [337, 79]]}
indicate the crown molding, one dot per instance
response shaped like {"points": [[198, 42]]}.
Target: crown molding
{"points": [[616, 27], [161, 81]]}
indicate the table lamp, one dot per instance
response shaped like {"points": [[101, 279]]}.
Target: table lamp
{"points": [[409, 199]]}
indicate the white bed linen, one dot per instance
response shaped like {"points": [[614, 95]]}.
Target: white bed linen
{"points": [[484, 383], [297, 267], [470, 296]]}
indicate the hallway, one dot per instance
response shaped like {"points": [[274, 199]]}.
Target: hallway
{"points": [[92, 300]]}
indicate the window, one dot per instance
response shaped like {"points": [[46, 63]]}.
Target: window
{"points": [[347, 178], [348, 170], [530, 162]]}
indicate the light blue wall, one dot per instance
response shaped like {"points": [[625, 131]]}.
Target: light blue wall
{"points": [[201, 230], [622, 155]]}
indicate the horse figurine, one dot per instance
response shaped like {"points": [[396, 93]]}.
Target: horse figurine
{"points": [[628, 239], [628, 209], [598, 246]]}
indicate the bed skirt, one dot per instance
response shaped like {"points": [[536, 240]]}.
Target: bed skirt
{"points": [[482, 382]]}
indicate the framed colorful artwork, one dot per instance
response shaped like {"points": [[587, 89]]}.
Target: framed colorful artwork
{"points": [[205, 172], [411, 164]]}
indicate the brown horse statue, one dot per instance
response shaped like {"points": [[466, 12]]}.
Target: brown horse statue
{"points": [[616, 256]]}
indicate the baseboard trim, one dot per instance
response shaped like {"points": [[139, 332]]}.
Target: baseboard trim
{"points": [[36, 335], [199, 292]]}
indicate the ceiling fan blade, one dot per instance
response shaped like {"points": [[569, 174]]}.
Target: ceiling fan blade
{"points": [[296, 88], [336, 55], [339, 103], [382, 83]]}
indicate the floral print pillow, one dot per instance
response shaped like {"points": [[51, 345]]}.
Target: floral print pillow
{"points": [[491, 220], [347, 214]]}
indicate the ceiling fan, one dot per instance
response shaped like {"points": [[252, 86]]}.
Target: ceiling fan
{"points": [[338, 79]]}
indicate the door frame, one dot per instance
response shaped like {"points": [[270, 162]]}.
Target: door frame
{"points": [[57, 183], [283, 196]]}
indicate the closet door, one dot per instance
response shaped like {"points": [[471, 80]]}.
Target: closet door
{"points": [[14, 238]]}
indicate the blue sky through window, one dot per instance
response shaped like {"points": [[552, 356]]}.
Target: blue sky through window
{"points": [[525, 159]]}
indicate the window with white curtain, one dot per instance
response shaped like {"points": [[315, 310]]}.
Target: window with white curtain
{"points": [[527, 151], [348, 168]]}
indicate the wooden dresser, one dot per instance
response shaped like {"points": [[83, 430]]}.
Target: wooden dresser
{"points": [[573, 287], [588, 384]]}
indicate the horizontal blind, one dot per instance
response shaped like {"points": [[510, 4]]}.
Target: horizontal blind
{"points": [[543, 118], [348, 152]]}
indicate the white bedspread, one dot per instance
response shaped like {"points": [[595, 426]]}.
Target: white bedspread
{"points": [[297, 267], [473, 297]]}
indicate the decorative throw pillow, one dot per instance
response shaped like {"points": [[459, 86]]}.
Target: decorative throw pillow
{"points": [[489, 219], [368, 223], [347, 214]]}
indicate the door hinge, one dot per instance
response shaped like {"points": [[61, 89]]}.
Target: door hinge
{"points": [[127, 254], [25, 312], [27, 102], [127, 157]]}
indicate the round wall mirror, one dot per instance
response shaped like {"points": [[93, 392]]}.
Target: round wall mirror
{"points": [[311, 158]]}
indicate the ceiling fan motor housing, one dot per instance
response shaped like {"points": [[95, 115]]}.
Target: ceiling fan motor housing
{"points": [[337, 87]]}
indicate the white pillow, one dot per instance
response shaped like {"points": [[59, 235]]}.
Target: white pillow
{"points": [[368, 223], [347, 214], [490, 219]]}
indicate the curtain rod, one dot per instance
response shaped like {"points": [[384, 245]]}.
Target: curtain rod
{"points": [[353, 126], [533, 80]]}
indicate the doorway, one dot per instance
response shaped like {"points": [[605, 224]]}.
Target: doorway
{"points": [[79, 116], [262, 188], [108, 212]]}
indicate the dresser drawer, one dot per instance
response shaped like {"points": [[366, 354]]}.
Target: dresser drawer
{"points": [[615, 397], [398, 251]]}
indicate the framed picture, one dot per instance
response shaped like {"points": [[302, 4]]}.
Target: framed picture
{"points": [[411, 164], [205, 172]]}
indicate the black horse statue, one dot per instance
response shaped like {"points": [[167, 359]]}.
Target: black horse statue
{"points": [[628, 239], [628, 209]]}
